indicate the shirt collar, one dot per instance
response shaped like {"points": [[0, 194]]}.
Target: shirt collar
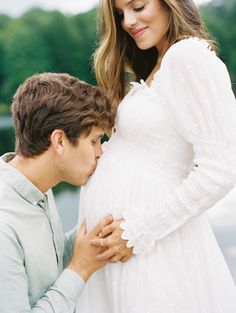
{"points": [[21, 184]]}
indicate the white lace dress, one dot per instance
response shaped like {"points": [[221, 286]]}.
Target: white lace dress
{"points": [[171, 158]]}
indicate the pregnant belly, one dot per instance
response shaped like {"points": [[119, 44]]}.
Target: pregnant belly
{"points": [[118, 185]]}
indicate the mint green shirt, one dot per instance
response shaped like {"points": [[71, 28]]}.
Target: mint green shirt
{"points": [[33, 249]]}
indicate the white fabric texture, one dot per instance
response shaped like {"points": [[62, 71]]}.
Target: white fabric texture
{"points": [[170, 159]]}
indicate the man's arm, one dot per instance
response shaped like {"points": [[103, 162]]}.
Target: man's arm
{"points": [[63, 294]]}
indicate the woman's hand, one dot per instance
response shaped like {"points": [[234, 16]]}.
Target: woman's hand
{"points": [[110, 238]]}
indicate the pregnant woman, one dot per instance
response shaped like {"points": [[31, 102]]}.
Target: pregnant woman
{"points": [[171, 158]]}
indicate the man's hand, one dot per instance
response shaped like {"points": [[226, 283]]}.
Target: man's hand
{"points": [[110, 238], [84, 261]]}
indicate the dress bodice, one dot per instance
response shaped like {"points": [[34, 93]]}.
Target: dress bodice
{"points": [[145, 133], [186, 115]]}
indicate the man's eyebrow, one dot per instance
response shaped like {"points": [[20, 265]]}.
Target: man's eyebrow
{"points": [[99, 136]]}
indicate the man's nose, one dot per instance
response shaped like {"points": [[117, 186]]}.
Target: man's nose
{"points": [[98, 151]]}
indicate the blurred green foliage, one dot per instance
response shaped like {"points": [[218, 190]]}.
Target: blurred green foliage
{"points": [[7, 140], [40, 41], [220, 17]]}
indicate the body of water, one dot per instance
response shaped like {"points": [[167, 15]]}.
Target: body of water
{"points": [[5, 122]]}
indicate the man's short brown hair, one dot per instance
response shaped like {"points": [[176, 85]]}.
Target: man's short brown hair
{"points": [[50, 101]]}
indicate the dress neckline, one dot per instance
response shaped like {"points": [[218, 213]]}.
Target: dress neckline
{"points": [[142, 83], [194, 40]]}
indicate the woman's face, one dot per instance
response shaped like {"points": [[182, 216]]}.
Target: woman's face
{"points": [[146, 21]]}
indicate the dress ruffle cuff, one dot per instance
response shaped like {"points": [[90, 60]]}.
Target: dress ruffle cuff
{"points": [[136, 232]]}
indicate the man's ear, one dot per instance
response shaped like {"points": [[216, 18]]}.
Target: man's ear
{"points": [[58, 140]]}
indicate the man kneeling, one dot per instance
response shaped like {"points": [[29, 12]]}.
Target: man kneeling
{"points": [[59, 122]]}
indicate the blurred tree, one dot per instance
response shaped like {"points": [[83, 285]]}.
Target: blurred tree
{"points": [[86, 24], [220, 17], [2, 78], [70, 40], [25, 53], [60, 39], [7, 140], [4, 21], [50, 41]]}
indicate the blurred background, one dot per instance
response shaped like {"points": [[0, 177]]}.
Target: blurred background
{"points": [[60, 36]]}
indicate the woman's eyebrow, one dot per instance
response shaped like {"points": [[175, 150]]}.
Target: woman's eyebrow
{"points": [[128, 2]]}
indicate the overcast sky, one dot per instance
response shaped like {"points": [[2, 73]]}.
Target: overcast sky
{"points": [[17, 7]]}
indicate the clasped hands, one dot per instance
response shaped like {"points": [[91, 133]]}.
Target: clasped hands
{"points": [[114, 247]]}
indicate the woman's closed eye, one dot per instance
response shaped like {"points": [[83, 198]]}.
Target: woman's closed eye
{"points": [[139, 9], [135, 9]]}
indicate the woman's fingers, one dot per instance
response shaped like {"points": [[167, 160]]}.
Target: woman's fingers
{"points": [[126, 258], [100, 242], [110, 242], [115, 259], [115, 256], [121, 257], [108, 254], [107, 230], [116, 249]]}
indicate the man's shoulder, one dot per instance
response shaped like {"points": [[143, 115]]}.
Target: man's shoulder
{"points": [[7, 194], [11, 205]]}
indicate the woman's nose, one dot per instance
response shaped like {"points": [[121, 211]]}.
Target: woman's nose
{"points": [[129, 20]]}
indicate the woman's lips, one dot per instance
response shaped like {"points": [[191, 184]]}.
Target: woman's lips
{"points": [[138, 32]]}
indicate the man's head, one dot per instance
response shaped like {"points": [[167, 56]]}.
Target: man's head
{"points": [[60, 112]]}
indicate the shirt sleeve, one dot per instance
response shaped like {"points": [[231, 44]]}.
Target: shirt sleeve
{"points": [[196, 90], [61, 297]]}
